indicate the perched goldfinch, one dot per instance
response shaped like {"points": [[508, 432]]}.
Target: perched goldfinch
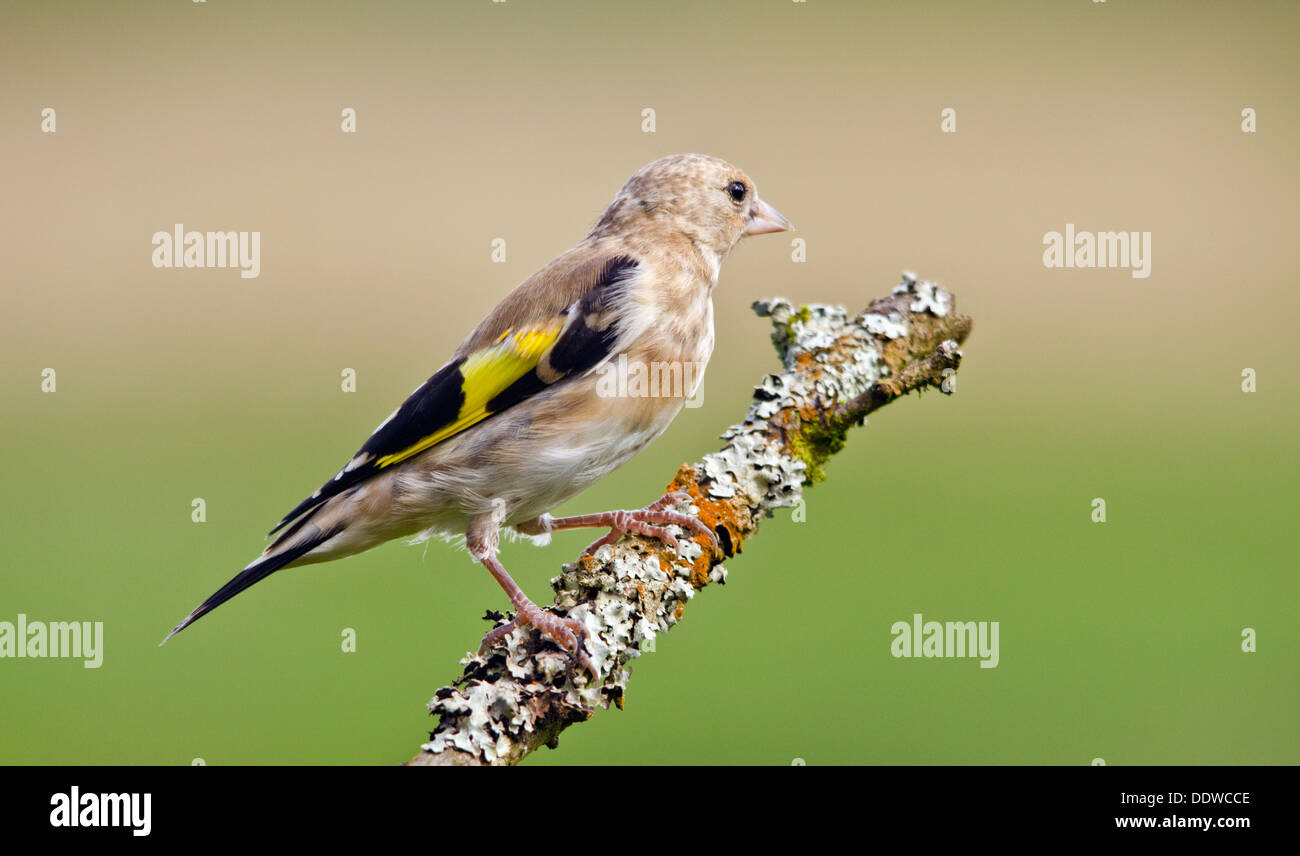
{"points": [[517, 421]]}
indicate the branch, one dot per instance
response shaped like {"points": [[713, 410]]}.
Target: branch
{"points": [[837, 370]]}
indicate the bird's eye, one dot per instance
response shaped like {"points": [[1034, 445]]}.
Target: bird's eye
{"points": [[737, 191]]}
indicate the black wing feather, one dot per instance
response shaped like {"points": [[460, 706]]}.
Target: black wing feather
{"points": [[436, 403], [587, 339], [251, 575]]}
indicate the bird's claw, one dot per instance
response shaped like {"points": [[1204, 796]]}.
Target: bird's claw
{"points": [[650, 522], [569, 633]]}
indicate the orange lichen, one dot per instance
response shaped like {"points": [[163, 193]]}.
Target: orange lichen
{"points": [[728, 515]]}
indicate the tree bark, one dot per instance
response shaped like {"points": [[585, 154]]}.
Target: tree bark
{"points": [[836, 370]]}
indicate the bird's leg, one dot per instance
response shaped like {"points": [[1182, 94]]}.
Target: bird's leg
{"points": [[568, 633], [648, 521]]}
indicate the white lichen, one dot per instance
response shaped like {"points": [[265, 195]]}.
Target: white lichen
{"points": [[624, 596]]}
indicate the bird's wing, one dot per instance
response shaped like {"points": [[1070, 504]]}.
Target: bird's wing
{"points": [[560, 323]]}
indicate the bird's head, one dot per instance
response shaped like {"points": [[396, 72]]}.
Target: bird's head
{"points": [[705, 198]]}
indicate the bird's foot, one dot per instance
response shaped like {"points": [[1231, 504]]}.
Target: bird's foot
{"points": [[569, 633], [649, 522]]}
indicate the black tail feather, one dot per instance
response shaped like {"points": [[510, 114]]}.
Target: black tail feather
{"points": [[254, 573]]}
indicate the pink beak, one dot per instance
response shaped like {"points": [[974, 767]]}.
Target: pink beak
{"points": [[763, 218]]}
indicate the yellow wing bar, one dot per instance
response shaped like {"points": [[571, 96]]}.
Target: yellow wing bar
{"points": [[485, 374]]}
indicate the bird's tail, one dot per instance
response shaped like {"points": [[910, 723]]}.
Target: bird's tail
{"points": [[254, 573]]}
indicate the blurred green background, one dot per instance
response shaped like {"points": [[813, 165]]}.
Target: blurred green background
{"points": [[521, 120]]}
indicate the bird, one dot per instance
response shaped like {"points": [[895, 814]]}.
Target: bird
{"points": [[524, 415]]}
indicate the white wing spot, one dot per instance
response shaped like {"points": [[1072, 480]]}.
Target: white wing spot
{"points": [[359, 460], [389, 417]]}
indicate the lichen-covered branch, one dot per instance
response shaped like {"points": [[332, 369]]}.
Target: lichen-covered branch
{"points": [[836, 370]]}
